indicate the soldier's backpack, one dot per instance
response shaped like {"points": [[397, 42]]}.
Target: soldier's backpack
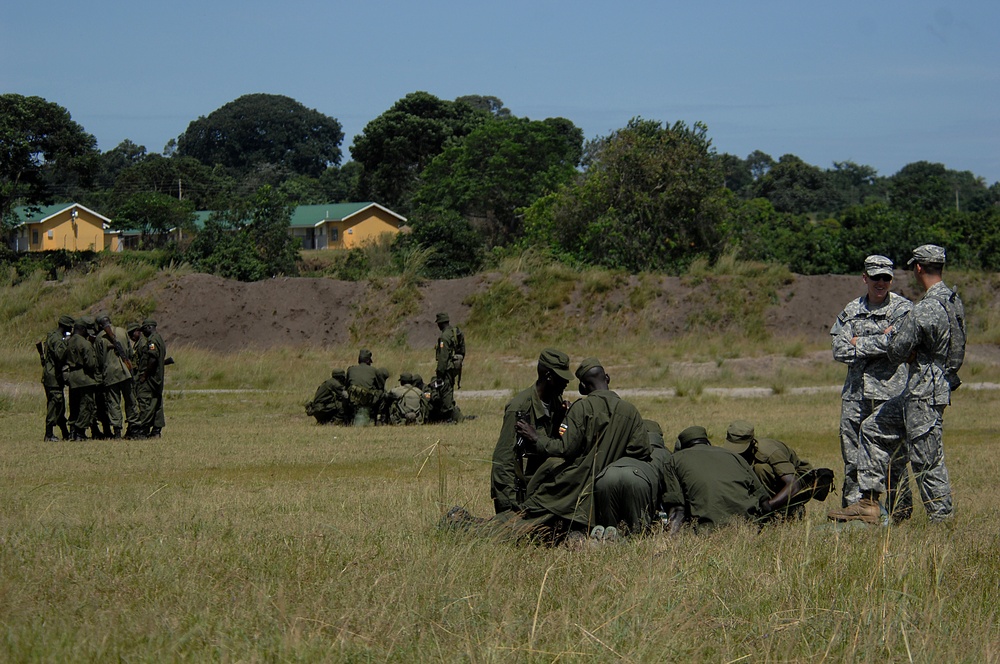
{"points": [[956, 339]]}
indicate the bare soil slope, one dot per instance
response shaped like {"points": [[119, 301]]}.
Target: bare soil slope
{"points": [[217, 314]]}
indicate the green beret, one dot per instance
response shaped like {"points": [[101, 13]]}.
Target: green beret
{"points": [[66, 321], [587, 366], [739, 436], [557, 362], [686, 437], [926, 253], [441, 318]]}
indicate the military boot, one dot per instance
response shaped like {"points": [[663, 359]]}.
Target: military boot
{"points": [[65, 431], [49, 437], [116, 433], [867, 510]]}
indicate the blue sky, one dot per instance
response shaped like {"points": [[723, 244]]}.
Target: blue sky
{"points": [[880, 82]]}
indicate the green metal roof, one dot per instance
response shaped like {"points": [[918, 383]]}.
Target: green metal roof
{"points": [[27, 214], [313, 215]]}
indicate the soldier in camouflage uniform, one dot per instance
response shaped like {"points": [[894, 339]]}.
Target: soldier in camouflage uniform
{"points": [[449, 354], [871, 406], [52, 353], [923, 340]]}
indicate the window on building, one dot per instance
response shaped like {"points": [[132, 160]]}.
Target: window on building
{"points": [[334, 235], [34, 237]]}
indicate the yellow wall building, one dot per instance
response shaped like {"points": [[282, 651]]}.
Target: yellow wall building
{"points": [[66, 226], [343, 225]]}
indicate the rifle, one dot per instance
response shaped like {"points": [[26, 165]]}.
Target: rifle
{"points": [[119, 349], [520, 482], [41, 352]]}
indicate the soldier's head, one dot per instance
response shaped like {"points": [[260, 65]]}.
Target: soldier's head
{"points": [[148, 326], [103, 320], [740, 438], [133, 331], [406, 378], [442, 320], [339, 374], [418, 381], [878, 278], [592, 376], [655, 433], [86, 326], [553, 372], [365, 356], [690, 437], [927, 263], [66, 323]]}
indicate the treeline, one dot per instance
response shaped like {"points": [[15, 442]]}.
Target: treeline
{"points": [[478, 183]]}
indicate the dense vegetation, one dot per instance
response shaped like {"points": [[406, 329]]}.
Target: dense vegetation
{"points": [[478, 183]]}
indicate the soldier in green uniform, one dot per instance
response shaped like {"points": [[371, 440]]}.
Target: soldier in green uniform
{"points": [[362, 389], [121, 406], [777, 466], [449, 355], [153, 337], [542, 406], [708, 486], [330, 404], [81, 376], [52, 353], [149, 381], [627, 492], [405, 402]]}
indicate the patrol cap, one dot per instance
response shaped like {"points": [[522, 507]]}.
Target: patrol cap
{"points": [[691, 434], [148, 321], [876, 265], [132, 327], [86, 322], [418, 379], [926, 253], [66, 321], [339, 373], [441, 318], [102, 316], [364, 355], [557, 362], [587, 366], [739, 436], [405, 378], [382, 373]]}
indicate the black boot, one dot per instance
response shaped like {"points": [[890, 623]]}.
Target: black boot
{"points": [[49, 437], [65, 431], [116, 433], [154, 432]]}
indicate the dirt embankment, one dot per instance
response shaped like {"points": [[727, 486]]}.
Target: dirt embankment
{"points": [[217, 314]]}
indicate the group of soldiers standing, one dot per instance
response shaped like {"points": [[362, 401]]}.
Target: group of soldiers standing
{"points": [[560, 471], [114, 377], [358, 396]]}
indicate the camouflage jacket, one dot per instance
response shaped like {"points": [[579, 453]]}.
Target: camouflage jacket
{"points": [[870, 374], [925, 334]]}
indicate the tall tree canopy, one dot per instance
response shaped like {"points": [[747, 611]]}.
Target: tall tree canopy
{"points": [[652, 198], [264, 129], [38, 136], [502, 165], [396, 146], [794, 186]]}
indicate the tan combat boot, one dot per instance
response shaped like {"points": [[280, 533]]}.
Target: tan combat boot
{"points": [[867, 509]]}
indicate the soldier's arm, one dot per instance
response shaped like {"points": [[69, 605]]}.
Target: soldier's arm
{"points": [[903, 340], [841, 334]]}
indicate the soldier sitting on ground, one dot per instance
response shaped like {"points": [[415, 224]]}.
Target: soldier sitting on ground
{"points": [[405, 402], [790, 481], [330, 404]]}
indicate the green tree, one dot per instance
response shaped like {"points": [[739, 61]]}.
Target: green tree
{"points": [[39, 143], [340, 184], [492, 105], [499, 167], [154, 215], [181, 177], [854, 183], [264, 129], [457, 246], [651, 198], [396, 146], [794, 186]]}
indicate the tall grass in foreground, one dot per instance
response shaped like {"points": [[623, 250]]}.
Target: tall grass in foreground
{"points": [[249, 533]]}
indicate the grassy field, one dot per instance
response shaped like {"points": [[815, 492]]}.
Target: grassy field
{"points": [[248, 533]]}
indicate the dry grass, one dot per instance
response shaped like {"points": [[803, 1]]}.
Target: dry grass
{"points": [[248, 533]]}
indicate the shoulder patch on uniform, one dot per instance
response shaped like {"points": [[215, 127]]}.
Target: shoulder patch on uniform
{"points": [[152, 346], [562, 429]]}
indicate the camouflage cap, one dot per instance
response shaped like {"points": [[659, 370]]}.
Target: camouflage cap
{"points": [[66, 321], [926, 253], [876, 265], [441, 318], [557, 362], [587, 366], [691, 434], [739, 437]]}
